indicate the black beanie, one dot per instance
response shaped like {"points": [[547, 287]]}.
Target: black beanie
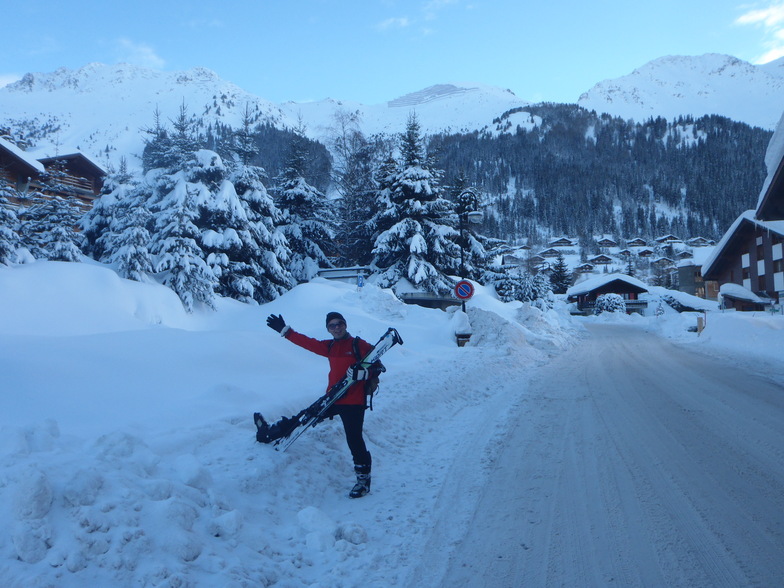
{"points": [[334, 315]]}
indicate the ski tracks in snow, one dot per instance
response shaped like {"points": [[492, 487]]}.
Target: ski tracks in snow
{"points": [[629, 462]]}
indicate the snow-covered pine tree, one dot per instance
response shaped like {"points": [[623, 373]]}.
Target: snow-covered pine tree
{"points": [[47, 228], [129, 250], [176, 248], [472, 250], [9, 238], [419, 246], [308, 218], [352, 175], [96, 223], [268, 251], [560, 276], [542, 291]]}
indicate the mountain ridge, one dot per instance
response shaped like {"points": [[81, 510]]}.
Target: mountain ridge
{"points": [[102, 109]]}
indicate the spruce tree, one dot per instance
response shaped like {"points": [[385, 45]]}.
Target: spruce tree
{"points": [[9, 238], [177, 252], [48, 228], [308, 221], [419, 246], [560, 276], [352, 175], [267, 254]]}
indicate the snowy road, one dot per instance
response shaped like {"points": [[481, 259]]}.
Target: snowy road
{"points": [[634, 463]]}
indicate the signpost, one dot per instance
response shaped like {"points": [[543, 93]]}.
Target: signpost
{"points": [[464, 290]]}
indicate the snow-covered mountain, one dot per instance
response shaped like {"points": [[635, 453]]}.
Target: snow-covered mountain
{"points": [[101, 109], [706, 84]]}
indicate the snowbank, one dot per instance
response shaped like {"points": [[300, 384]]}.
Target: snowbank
{"points": [[127, 447]]}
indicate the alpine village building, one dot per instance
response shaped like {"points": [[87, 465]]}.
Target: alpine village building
{"points": [[748, 262], [72, 175]]}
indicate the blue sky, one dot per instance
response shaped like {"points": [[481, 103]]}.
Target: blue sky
{"points": [[371, 51]]}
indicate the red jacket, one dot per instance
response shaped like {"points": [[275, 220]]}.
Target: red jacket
{"points": [[340, 353]]}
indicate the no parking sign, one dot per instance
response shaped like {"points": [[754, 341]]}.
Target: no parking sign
{"points": [[464, 289]]}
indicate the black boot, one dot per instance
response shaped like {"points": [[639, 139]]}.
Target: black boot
{"points": [[262, 428], [362, 486]]}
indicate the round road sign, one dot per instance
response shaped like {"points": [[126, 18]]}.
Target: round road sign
{"points": [[464, 290]]}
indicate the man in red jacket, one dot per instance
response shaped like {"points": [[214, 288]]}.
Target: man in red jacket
{"points": [[343, 357]]}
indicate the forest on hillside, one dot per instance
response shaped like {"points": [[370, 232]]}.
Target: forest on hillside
{"points": [[581, 174]]}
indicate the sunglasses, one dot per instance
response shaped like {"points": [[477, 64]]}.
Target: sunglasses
{"points": [[331, 326]]}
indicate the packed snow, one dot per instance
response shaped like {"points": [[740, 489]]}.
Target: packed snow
{"points": [[128, 451]]}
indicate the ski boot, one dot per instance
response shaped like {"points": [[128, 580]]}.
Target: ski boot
{"points": [[262, 428], [362, 486]]}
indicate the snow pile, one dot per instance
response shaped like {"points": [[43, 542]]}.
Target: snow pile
{"points": [[127, 452], [127, 445]]}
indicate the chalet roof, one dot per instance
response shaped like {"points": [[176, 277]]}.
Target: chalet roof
{"points": [[770, 205], [738, 292], [26, 160], [725, 248], [628, 283], [76, 160], [665, 238]]}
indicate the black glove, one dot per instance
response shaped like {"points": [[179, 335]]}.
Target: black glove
{"points": [[357, 372], [276, 322]]}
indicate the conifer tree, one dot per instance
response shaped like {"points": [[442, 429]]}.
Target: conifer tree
{"points": [[419, 246], [9, 238], [308, 221], [352, 174], [268, 252], [178, 253], [48, 228], [560, 276]]}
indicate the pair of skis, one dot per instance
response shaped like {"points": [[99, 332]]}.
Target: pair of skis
{"points": [[317, 411]]}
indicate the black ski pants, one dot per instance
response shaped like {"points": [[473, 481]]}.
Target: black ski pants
{"points": [[353, 418]]}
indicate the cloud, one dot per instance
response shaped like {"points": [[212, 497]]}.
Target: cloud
{"points": [[771, 20], [432, 7], [138, 54], [394, 23]]}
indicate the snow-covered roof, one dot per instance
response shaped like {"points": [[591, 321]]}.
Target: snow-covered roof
{"points": [[738, 292], [593, 283], [773, 157], [19, 154], [749, 215]]}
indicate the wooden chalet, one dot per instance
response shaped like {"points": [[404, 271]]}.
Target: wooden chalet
{"points": [[585, 293], [561, 242], [668, 239], [751, 253], [601, 259], [645, 252], [551, 252], [662, 262], [584, 268], [700, 242], [68, 176], [637, 242], [606, 242], [17, 168]]}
